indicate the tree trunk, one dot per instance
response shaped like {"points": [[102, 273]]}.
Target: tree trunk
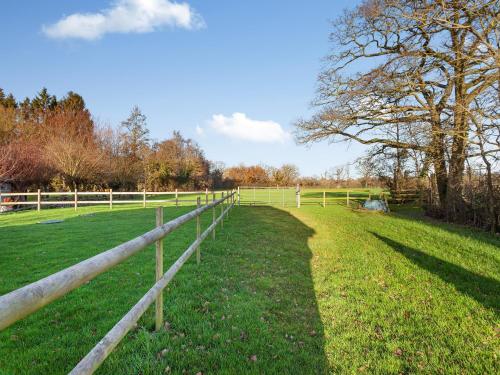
{"points": [[438, 155], [455, 204], [491, 198]]}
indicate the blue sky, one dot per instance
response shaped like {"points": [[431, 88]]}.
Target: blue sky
{"points": [[233, 75]]}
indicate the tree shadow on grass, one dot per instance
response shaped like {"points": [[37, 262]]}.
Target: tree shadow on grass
{"points": [[248, 307], [415, 213], [483, 289]]}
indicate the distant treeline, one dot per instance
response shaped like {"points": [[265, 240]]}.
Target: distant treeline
{"points": [[55, 144]]}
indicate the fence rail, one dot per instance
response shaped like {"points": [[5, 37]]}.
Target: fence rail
{"points": [[247, 195], [24, 301], [73, 198], [295, 196]]}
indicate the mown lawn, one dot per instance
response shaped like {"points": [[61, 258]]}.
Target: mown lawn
{"points": [[309, 290], [309, 196]]}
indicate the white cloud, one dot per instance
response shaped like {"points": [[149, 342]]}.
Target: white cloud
{"points": [[125, 16], [239, 126], [200, 130]]}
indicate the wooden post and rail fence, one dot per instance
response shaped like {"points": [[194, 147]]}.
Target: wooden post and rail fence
{"points": [[295, 197], [75, 198], [24, 301], [254, 196]]}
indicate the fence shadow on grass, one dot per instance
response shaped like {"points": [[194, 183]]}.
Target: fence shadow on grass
{"points": [[483, 289], [249, 307]]}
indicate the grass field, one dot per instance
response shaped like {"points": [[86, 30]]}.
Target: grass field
{"points": [[309, 290], [309, 196]]}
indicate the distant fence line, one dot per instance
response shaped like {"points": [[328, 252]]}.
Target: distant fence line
{"points": [[247, 195], [296, 196], [24, 301], [108, 198]]}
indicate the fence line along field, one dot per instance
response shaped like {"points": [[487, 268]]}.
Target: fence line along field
{"points": [[283, 196], [279, 290], [24, 301], [75, 198]]}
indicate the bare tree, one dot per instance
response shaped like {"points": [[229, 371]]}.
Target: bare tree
{"points": [[427, 62], [485, 144], [366, 168]]}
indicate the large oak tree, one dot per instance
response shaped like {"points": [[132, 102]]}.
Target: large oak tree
{"points": [[421, 65]]}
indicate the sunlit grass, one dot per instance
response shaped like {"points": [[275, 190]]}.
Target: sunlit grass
{"points": [[309, 290]]}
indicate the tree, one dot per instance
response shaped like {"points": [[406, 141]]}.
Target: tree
{"points": [[485, 144], [365, 168], [43, 101], [289, 174], [72, 102], [76, 161], [254, 175], [22, 164], [216, 176], [177, 162], [427, 64], [137, 133]]}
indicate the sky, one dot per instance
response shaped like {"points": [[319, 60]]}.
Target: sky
{"points": [[232, 75]]}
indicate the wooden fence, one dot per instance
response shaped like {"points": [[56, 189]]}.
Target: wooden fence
{"points": [[274, 195], [19, 303], [75, 198], [253, 196], [296, 196]]}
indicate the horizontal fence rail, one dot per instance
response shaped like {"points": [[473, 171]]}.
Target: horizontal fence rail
{"points": [[295, 196], [247, 195], [24, 301], [75, 198]]}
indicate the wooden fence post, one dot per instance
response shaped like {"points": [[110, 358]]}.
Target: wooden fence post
{"points": [[206, 195], [76, 199], [254, 195], [38, 200], [324, 199], [238, 196], [348, 198], [213, 216], [176, 198], [110, 199], [369, 195], [144, 198], [222, 212], [298, 196], [198, 231], [159, 271]]}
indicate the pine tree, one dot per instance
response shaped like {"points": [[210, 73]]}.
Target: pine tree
{"points": [[72, 102], [44, 101], [136, 133], [10, 101]]}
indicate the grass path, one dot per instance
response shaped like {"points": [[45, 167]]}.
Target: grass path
{"points": [[308, 290]]}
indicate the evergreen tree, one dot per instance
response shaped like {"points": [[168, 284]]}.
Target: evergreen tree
{"points": [[7, 101], [44, 101], [137, 133], [10, 101], [72, 102]]}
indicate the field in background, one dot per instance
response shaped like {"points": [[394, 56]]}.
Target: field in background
{"points": [[309, 290], [286, 197]]}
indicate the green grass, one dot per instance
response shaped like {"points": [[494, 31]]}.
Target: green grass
{"points": [[309, 290], [309, 196]]}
